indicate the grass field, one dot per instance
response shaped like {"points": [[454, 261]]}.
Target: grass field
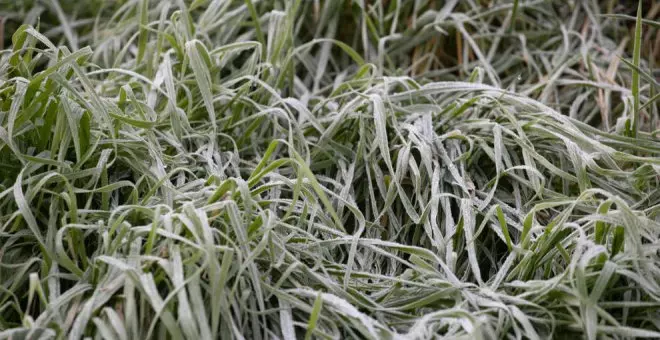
{"points": [[338, 169]]}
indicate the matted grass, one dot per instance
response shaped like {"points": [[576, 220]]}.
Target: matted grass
{"points": [[329, 169]]}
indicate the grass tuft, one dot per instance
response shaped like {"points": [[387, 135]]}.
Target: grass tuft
{"points": [[328, 169]]}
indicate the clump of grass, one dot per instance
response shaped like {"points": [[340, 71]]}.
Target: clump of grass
{"points": [[328, 169]]}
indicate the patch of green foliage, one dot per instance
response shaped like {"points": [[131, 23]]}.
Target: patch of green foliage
{"points": [[329, 169]]}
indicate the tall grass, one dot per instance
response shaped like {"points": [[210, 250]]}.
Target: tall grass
{"points": [[329, 169]]}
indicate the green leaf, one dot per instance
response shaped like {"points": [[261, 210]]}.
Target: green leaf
{"points": [[84, 131], [634, 125]]}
